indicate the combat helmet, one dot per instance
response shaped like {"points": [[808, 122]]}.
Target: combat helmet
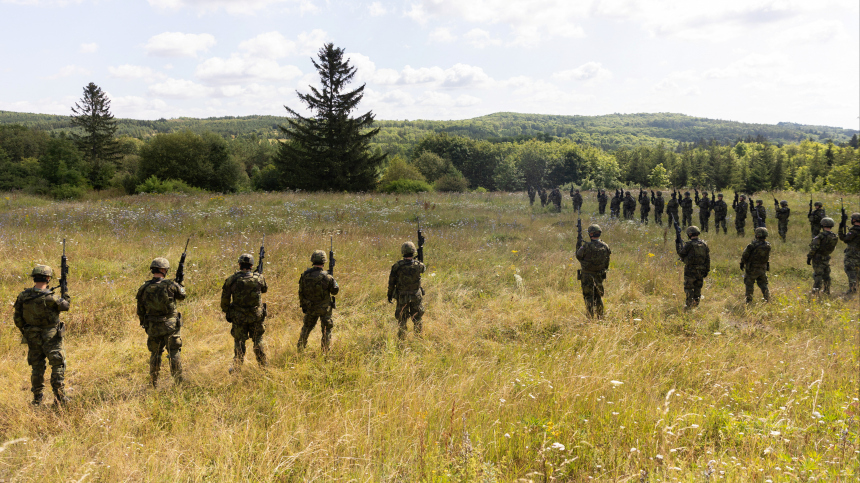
{"points": [[686, 193], [783, 203], [43, 270], [759, 202], [160, 262], [318, 257], [659, 193], [855, 217], [246, 258], [819, 204], [594, 229], [693, 231], [720, 195], [761, 232], [827, 222], [407, 249]]}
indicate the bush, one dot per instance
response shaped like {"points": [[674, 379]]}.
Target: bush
{"points": [[155, 185], [68, 192], [406, 186], [451, 182], [397, 169], [480, 189]]}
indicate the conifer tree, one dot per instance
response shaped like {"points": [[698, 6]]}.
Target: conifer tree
{"points": [[330, 150], [97, 144]]}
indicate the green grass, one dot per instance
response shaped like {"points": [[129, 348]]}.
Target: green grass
{"points": [[510, 382]]}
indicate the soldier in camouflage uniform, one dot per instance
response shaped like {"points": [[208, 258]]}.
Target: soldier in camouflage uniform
{"points": [[240, 302], [532, 193], [615, 206], [782, 214], [759, 213], [37, 316], [755, 263], [819, 257], [156, 309], [697, 263], [644, 207], [852, 253], [602, 199], [686, 209], [705, 208], [629, 206], [404, 283], [815, 218], [740, 214], [542, 195], [316, 288], [594, 258], [659, 204], [555, 198], [721, 209], [576, 198], [672, 208]]}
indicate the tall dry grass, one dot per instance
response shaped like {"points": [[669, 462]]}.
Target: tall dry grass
{"points": [[510, 382]]}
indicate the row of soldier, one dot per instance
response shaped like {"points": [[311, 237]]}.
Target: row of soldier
{"points": [[37, 312], [623, 204]]}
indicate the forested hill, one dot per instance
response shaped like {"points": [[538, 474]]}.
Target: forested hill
{"points": [[609, 131]]}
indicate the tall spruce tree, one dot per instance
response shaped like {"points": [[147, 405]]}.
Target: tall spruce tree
{"points": [[329, 150], [97, 143]]}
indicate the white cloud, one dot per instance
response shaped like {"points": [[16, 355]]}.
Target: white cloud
{"points": [[68, 71], [311, 42], [590, 71], [244, 7], [377, 9], [128, 71], [752, 65], [136, 107], [442, 35], [270, 45], [88, 48], [179, 89], [481, 38], [178, 44], [237, 69]]}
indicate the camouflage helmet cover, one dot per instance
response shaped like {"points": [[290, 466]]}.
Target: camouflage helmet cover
{"points": [[855, 217], [758, 202], [827, 222], [627, 193], [407, 249], [818, 203], [160, 262], [42, 270], [246, 258], [761, 232], [743, 197], [783, 203], [594, 229], [318, 257], [659, 193], [720, 195], [692, 231], [686, 193]]}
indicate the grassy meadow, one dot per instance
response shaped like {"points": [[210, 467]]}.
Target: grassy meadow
{"points": [[511, 381]]}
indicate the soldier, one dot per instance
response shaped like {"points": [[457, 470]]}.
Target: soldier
{"points": [[852, 252], [555, 198], [782, 214], [577, 199], [644, 207], [672, 207], [316, 287], [815, 217], [602, 199], [819, 257], [755, 262], [594, 258], [720, 211], [37, 316], [697, 263], [687, 209], [532, 193], [240, 302], [705, 208], [156, 309], [615, 206], [740, 208], [542, 195], [759, 213], [658, 203], [404, 282], [629, 206]]}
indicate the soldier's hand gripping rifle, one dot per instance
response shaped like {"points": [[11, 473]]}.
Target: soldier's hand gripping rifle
{"points": [[810, 206], [775, 202], [262, 256], [420, 242], [653, 199], [331, 262], [678, 240], [180, 270], [735, 201], [697, 195], [64, 271], [843, 223], [713, 199]]}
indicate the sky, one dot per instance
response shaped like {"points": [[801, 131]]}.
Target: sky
{"points": [[760, 61]]}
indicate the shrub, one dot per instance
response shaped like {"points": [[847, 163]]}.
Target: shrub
{"points": [[68, 192], [406, 186], [397, 169], [451, 182], [155, 185], [480, 189]]}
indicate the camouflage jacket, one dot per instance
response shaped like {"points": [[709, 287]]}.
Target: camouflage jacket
{"points": [[695, 254], [720, 209], [316, 287], [762, 212], [816, 216], [594, 256], [615, 204], [629, 203], [756, 255], [39, 308], [672, 206], [644, 204], [741, 210], [555, 196], [242, 291], [852, 239], [822, 246], [602, 199], [542, 195], [782, 214], [659, 202], [577, 199], [705, 206], [157, 298], [686, 205], [405, 277]]}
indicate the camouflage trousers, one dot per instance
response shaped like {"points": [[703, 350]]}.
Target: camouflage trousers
{"points": [[164, 334], [310, 321], [577, 207], [704, 220], [628, 214], [718, 222], [592, 292], [687, 218], [821, 275], [250, 326], [673, 216], [658, 217], [852, 270], [753, 277], [601, 208], [740, 223], [410, 305], [693, 281], [531, 199], [815, 228], [643, 217], [782, 228], [557, 206], [45, 343]]}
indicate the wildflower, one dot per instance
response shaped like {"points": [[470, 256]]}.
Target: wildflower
{"points": [[514, 251], [502, 400], [775, 433], [616, 383], [632, 450], [508, 435], [532, 396], [659, 457], [558, 446], [651, 255]]}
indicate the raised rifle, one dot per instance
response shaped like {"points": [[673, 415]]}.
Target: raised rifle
{"points": [[678, 240], [843, 223], [697, 195], [775, 202], [579, 242], [180, 271], [331, 261], [735, 201], [420, 242], [810, 205], [64, 270], [262, 256]]}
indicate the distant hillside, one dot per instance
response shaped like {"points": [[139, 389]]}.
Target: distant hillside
{"points": [[609, 131]]}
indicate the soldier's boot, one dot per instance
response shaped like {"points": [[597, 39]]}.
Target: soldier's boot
{"points": [[419, 326], [37, 398], [325, 340], [58, 373], [60, 398], [852, 288], [176, 368], [37, 385], [826, 288], [260, 354], [154, 368], [598, 310], [401, 329], [303, 339], [766, 294], [238, 354]]}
